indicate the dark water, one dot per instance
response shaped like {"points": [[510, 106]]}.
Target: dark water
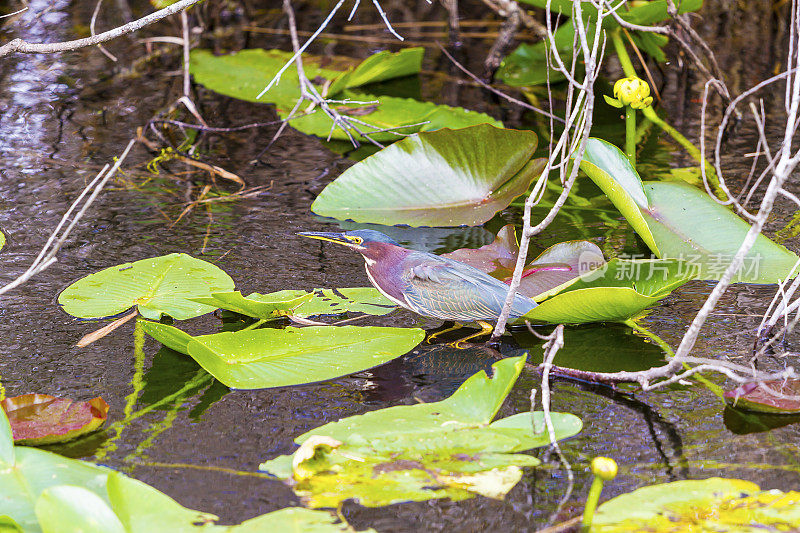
{"points": [[63, 116]]}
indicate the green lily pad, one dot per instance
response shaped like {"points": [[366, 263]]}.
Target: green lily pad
{"points": [[244, 74], [418, 452], [42, 419], [263, 358], [714, 504], [440, 178], [616, 292], [302, 303], [680, 222], [44, 492], [158, 286]]}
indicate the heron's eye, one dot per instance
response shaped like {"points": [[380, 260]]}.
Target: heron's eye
{"points": [[356, 240]]}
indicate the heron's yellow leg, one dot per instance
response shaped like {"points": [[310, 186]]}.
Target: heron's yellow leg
{"points": [[456, 326], [486, 329]]}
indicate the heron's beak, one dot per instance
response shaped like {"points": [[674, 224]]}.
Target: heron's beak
{"points": [[338, 238]]}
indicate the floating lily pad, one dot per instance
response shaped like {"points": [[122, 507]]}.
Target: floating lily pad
{"points": [[244, 74], [44, 492], [439, 178], [713, 504], [776, 396], [263, 358], [42, 419], [158, 286], [418, 452], [616, 292], [678, 221], [302, 303]]}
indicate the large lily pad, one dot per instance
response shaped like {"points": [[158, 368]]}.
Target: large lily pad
{"points": [[158, 286], [244, 74], [263, 358], [439, 178], [42, 419], [616, 292], [419, 452], [302, 303], [678, 221], [713, 504]]}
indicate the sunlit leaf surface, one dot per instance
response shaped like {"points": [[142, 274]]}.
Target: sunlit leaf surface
{"points": [[419, 452], [681, 222], [440, 178], [620, 290], [159, 285], [244, 74], [303, 303], [713, 504], [43, 492], [41, 419], [268, 357]]}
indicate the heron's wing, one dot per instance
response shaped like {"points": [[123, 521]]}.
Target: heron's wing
{"points": [[449, 290]]}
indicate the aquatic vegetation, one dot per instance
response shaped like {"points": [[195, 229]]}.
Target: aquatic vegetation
{"points": [[269, 357], [440, 178], [157, 286], [678, 221], [447, 449], [42, 491], [780, 396], [384, 118], [43, 419], [699, 505]]}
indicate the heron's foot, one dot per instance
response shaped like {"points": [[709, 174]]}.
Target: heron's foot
{"points": [[486, 329], [454, 327]]}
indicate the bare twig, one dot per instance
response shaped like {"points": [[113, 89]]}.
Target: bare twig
{"points": [[24, 47], [47, 255], [102, 48]]}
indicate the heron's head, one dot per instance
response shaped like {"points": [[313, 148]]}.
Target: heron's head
{"points": [[359, 240]]}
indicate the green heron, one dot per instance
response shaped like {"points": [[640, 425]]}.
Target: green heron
{"points": [[427, 284]]}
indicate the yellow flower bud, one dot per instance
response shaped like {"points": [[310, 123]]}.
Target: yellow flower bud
{"points": [[633, 91], [604, 468]]}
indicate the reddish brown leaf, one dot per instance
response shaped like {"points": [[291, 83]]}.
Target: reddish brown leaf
{"points": [[777, 396], [42, 419], [497, 258]]}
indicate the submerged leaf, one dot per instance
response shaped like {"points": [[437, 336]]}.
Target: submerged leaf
{"points": [[440, 178], [713, 504], [776, 396], [158, 286], [418, 452], [263, 358], [678, 221], [41, 419]]}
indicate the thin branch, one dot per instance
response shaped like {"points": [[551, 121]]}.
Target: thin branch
{"points": [[24, 47]]}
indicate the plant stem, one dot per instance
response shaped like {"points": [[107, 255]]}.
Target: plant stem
{"points": [[650, 114], [591, 503], [630, 135]]}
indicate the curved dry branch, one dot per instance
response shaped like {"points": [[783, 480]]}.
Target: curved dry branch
{"points": [[24, 47]]}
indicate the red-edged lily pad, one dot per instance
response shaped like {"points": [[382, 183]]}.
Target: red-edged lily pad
{"points": [[560, 264], [776, 396], [42, 419]]}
